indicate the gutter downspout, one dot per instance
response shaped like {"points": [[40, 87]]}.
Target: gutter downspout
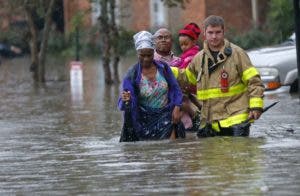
{"points": [[254, 13]]}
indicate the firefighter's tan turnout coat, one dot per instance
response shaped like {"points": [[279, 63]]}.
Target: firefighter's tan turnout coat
{"points": [[245, 89]]}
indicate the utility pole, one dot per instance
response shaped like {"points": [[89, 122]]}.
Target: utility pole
{"points": [[297, 32]]}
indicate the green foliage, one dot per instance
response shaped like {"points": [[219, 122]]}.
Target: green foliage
{"points": [[251, 39], [65, 45], [77, 20], [278, 27], [125, 42], [280, 19], [57, 43], [16, 36], [89, 43]]}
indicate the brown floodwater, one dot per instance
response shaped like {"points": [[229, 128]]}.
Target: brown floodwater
{"points": [[63, 139]]}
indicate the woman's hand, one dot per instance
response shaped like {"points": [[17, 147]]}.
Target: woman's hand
{"points": [[176, 115], [125, 96]]}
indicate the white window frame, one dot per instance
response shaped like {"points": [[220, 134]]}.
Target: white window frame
{"points": [[159, 13]]}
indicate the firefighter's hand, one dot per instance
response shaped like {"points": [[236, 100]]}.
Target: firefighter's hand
{"points": [[254, 114], [176, 115], [125, 96]]}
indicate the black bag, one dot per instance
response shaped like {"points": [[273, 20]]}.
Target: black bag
{"points": [[128, 133]]}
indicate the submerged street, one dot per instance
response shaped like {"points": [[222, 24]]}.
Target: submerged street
{"points": [[64, 140]]}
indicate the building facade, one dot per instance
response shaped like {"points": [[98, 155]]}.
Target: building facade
{"points": [[137, 15], [152, 14]]}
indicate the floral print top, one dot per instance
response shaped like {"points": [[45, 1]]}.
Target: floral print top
{"points": [[153, 93]]}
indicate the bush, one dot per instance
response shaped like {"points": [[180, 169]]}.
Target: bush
{"points": [[125, 42], [280, 19], [65, 45], [251, 39], [57, 42], [89, 43], [16, 35]]}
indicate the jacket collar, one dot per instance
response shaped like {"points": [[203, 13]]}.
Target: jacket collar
{"points": [[221, 56]]}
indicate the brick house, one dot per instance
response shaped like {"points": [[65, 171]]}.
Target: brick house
{"points": [[151, 14], [136, 15]]}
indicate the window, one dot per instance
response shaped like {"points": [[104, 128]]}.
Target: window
{"points": [[158, 13]]}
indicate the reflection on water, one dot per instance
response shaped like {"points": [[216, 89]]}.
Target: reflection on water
{"points": [[51, 144], [76, 82]]}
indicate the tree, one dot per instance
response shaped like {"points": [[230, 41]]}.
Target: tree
{"points": [[115, 46], [105, 26], [38, 48], [38, 15], [109, 33], [280, 19]]}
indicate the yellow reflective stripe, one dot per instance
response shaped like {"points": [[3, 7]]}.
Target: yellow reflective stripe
{"points": [[256, 102], [233, 120], [175, 71], [217, 93], [249, 73], [215, 126], [191, 77]]}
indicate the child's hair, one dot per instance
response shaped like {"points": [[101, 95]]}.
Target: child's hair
{"points": [[192, 30]]}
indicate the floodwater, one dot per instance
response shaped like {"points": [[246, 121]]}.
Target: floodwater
{"points": [[62, 139]]}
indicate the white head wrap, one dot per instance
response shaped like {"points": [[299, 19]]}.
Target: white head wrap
{"points": [[143, 39]]}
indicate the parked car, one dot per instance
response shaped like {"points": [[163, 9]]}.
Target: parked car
{"points": [[8, 51], [277, 65]]}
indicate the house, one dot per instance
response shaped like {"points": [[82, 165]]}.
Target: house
{"points": [[151, 14], [136, 15]]}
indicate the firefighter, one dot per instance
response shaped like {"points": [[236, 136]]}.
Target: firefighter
{"points": [[228, 85]]}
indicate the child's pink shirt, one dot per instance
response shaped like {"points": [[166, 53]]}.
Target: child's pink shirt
{"points": [[186, 57]]}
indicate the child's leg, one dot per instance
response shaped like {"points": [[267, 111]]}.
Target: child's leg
{"points": [[186, 106], [187, 113]]}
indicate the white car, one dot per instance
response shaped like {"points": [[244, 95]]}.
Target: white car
{"points": [[277, 65]]}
